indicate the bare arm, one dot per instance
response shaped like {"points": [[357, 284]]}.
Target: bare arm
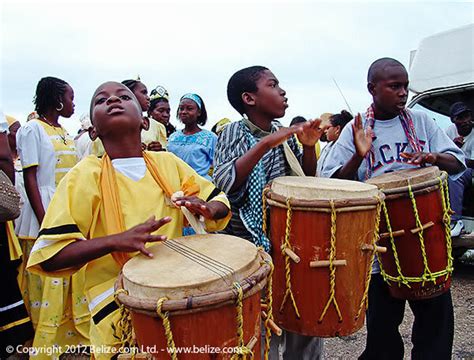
{"points": [[349, 170], [446, 162], [6, 163], [32, 191], [362, 144], [82, 251], [246, 163]]}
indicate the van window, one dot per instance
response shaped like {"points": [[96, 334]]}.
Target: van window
{"points": [[443, 121]]}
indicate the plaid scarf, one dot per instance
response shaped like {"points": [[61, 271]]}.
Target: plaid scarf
{"points": [[408, 126], [251, 211]]}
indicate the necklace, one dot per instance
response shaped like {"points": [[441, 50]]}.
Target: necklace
{"points": [[61, 135]]}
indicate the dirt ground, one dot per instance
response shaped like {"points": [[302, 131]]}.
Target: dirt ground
{"points": [[462, 289]]}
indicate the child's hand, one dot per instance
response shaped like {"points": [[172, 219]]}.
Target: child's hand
{"points": [[280, 136], [311, 132], [199, 207], [362, 138], [420, 158], [135, 238], [143, 146], [155, 146]]}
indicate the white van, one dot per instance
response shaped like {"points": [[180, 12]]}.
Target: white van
{"points": [[442, 73]]}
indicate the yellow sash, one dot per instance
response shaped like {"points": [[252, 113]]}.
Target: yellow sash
{"points": [[111, 200]]}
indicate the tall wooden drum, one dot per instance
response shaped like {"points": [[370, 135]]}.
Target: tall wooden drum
{"points": [[415, 229], [200, 293], [323, 234]]}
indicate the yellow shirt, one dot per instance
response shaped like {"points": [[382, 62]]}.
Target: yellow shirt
{"points": [[76, 213], [156, 132]]}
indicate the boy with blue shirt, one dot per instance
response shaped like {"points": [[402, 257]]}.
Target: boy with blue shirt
{"points": [[390, 138]]}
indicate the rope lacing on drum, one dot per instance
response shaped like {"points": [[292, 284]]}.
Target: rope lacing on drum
{"points": [[167, 326], [269, 302], [264, 210], [446, 222], [400, 277], [243, 351], [375, 239], [427, 274], [332, 267], [123, 331], [287, 244]]}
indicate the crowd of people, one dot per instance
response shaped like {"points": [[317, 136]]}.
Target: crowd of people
{"points": [[113, 184]]}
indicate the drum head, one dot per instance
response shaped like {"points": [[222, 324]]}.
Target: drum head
{"points": [[399, 179], [316, 188], [190, 266]]}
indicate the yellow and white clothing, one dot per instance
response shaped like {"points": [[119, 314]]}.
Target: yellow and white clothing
{"points": [[83, 144], [156, 132], [77, 212], [55, 318], [53, 152]]}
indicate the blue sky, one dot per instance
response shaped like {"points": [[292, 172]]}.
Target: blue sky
{"points": [[191, 47]]}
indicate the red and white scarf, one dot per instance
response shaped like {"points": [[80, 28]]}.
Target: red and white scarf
{"points": [[408, 126]]}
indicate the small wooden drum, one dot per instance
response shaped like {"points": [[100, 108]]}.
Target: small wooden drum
{"points": [[198, 292], [323, 234], [415, 229]]}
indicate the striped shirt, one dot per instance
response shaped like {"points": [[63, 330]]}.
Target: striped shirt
{"points": [[232, 145]]}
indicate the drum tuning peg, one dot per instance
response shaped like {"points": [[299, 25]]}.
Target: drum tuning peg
{"points": [[325, 263], [271, 324], [379, 249]]}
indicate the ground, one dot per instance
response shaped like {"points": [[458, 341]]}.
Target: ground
{"points": [[462, 289]]}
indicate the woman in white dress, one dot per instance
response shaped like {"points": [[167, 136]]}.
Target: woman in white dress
{"points": [[47, 153]]}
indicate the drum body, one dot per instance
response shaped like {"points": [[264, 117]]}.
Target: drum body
{"points": [[418, 263], [328, 286], [199, 277]]}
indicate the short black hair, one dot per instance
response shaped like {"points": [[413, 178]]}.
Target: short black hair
{"points": [[244, 80], [49, 93], [297, 120], [131, 84], [378, 66], [202, 119], [341, 119]]}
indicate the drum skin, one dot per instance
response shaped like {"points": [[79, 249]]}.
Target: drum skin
{"points": [[310, 239], [211, 331], [200, 273], [400, 210]]}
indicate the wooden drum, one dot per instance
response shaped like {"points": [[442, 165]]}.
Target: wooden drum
{"points": [[323, 234], [198, 292], [415, 229]]}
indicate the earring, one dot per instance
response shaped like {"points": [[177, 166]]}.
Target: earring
{"points": [[60, 107]]}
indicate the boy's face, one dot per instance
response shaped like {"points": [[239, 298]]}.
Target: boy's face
{"points": [[114, 107], [270, 97], [390, 91]]}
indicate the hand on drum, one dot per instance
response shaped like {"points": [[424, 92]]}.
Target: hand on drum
{"points": [[419, 158], [209, 210], [362, 138], [310, 132], [135, 238]]}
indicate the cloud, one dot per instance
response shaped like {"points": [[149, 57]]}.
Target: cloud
{"points": [[196, 47]]}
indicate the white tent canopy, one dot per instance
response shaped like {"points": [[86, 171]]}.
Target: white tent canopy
{"points": [[442, 60]]}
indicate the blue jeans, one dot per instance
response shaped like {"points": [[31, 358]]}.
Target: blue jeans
{"points": [[456, 192]]}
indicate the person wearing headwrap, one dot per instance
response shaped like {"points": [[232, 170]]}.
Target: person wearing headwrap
{"points": [[193, 144]]}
